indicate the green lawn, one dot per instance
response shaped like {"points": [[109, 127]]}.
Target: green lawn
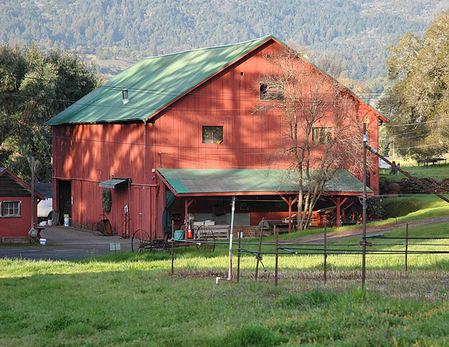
{"points": [[131, 300], [439, 172]]}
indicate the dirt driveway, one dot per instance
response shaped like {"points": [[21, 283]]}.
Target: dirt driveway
{"points": [[65, 243]]}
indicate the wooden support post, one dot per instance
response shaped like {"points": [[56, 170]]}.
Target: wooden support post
{"points": [[239, 255], [406, 247], [290, 202], [276, 265], [187, 203], [289, 214], [338, 204]]}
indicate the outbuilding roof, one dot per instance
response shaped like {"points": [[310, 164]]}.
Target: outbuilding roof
{"points": [[191, 182], [152, 84]]}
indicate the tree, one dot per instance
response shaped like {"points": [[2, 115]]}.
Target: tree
{"points": [[323, 127], [418, 101], [34, 86]]}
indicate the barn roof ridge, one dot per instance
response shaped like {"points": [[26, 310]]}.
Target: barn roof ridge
{"points": [[164, 79], [265, 37], [156, 82]]}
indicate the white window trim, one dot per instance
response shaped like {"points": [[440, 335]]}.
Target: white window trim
{"points": [[11, 215]]}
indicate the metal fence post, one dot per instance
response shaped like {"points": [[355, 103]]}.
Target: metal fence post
{"points": [[325, 251], [238, 256], [258, 254], [172, 247], [406, 247], [276, 267]]}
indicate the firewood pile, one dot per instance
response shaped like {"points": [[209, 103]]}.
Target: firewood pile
{"points": [[408, 186]]}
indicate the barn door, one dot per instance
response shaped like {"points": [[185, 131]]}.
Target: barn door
{"points": [[64, 199]]}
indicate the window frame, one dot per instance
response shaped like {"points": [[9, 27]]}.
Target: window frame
{"points": [[19, 209], [325, 135], [212, 126], [267, 95]]}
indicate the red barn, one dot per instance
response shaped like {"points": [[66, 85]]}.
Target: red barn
{"points": [[15, 207], [177, 134]]}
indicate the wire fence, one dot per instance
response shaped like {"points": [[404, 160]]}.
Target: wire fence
{"points": [[377, 244]]}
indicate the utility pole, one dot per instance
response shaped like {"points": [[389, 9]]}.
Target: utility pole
{"points": [[365, 197], [32, 233]]}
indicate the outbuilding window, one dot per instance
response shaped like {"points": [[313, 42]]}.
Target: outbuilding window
{"points": [[10, 209], [321, 135], [212, 134]]}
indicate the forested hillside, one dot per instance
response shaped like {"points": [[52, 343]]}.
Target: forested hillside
{"points": [[352, 34]]}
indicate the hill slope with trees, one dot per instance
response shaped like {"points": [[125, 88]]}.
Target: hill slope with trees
{"points": [[352, 34]]}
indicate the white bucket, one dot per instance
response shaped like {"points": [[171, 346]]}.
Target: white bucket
{"points": [[66, 220], [43, 242], [49, 223]]}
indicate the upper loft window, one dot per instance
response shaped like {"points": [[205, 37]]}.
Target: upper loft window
{"points": [[213, 134], [10, 209], [269, 91], [321, 135]]}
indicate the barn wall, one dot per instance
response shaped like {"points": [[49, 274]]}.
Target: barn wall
{"points": [[252, 138], [16, 226], [89, 154]]}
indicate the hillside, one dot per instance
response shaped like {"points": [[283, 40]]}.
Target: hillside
{"points": [[349, 37]]}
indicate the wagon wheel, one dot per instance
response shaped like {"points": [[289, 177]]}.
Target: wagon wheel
{"points": [[140, 240], [209, 232]]}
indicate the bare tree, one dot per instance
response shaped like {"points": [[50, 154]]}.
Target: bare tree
{"points": [[321, 126]]}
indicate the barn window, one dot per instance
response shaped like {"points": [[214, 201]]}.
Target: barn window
{"points": [[269, 91], [213, 134], [321, 135], [10, 209]]}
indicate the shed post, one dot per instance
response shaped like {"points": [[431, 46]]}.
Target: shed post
{"points": [[338, 205], [290, 202], [187, 203]]}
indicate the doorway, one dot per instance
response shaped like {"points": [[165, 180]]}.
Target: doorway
{"points": [[64, 199]]}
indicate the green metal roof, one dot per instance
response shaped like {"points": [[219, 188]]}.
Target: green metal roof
{"points": [[152, 84], [216, 181], [113, 183]]}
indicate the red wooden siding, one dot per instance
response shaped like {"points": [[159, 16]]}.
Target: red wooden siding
{"points": [[16, 226], [89, 154]]}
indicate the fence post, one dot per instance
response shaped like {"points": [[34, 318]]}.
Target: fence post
{"points": [[276, 266], [406, 247], [238, 256], [172, 247], [258, 254], [325, 251]]}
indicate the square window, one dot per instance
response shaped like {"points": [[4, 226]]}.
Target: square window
{"points": [[10, 209], [213, 134], [321, 135], [270, 92]]}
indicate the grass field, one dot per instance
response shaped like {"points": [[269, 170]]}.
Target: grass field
{"points": [[439, 172], [131, 300]]}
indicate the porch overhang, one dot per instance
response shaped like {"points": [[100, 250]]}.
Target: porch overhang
{"points": [[250, 182], [114, 183]]}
